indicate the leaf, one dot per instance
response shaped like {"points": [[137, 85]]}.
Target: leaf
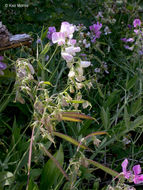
{"points": [[46, 49], [51, 173], [113, 98], [75, 101], [96, 133], [73, 119], [46, 82], [71, 140], [131, 83], [136, 106], [99, 90], [126, 118], [43, 34], [77, 115], [32, 185], [105, 117], [104, 168]]}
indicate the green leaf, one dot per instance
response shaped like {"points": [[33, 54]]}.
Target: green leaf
{"points": [[126, 118], [51, 174], [46, 49], [105, 117], [75, 101], [104, 168], [136, 106], [71, 140], [131, 83], [77, 115], [43, 34], [32, 185]]}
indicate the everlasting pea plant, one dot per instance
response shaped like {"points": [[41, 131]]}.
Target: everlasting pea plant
{"points": [[135, 42]]}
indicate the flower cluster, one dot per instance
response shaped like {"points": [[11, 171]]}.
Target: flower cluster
{"points": [[134, 176], [65, 39], [95, 30], [135, 42], [2, 65]]}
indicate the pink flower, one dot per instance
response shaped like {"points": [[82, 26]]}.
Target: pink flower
{"points": [[136, 178], [58, 37], [136, 22], [127, 174], [68, 29], [71, 42]]}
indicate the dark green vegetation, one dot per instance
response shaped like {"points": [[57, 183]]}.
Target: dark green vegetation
{"points": [[115, 96]]}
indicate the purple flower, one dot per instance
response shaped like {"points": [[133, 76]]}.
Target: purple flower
{"points": [[128, 47], [136, 22], [2, 67], [127, 40], [136, 31], [1, 58], [95, 29], [124, 39], [38, 41], [47, 58], [137, 178], [130, 26], [127, 174], [51, 30], [130, 40]]}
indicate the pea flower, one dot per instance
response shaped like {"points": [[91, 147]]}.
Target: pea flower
{"points": [[58, 37], [69, 52], [136, 22], [51, 30], [137, 178], [38, 41], [95, 29], [68, 29], [66, 56], [85, 64]]}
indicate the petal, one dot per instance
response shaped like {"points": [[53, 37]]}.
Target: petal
{"points": [[68, 57], [58, 37], [2, 66], [1, 58], [137, 169], [138, 179], [85, 63], [124, 165]]}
